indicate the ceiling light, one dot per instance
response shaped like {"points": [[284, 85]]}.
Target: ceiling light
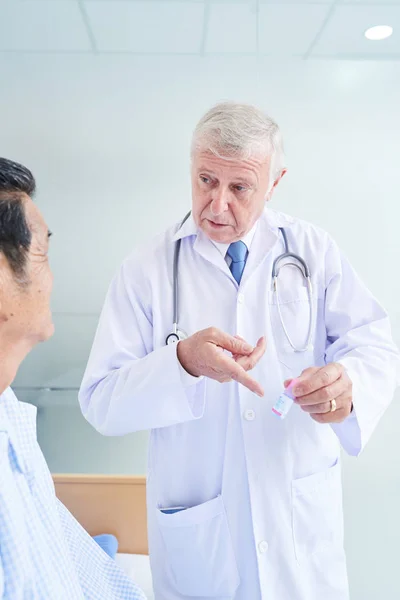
{"points": [[380, 32]]}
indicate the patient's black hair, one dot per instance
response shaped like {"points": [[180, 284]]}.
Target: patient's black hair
{"points": [[16, 181]]}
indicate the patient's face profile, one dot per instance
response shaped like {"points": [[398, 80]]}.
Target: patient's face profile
{"points": [[25, 314]]}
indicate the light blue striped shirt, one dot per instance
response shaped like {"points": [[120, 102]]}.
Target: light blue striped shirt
{"points": [[44, 552]]}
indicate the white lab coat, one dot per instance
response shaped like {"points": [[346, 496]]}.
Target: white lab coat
{"points": [[263, 496]]}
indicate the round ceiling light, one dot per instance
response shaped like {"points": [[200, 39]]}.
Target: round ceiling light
{"points": [[380, 32]]}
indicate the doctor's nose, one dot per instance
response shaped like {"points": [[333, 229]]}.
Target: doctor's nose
{"points": [[218, 204]]}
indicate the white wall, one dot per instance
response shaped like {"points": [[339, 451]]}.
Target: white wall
{"points": [[108, 138], [71, 445]]}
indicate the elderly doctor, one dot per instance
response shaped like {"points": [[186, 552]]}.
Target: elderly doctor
{"points": [[242, 505]]}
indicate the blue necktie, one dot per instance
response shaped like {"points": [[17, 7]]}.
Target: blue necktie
{"points": [[237, 251]]}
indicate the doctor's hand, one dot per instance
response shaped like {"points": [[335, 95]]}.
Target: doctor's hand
{"points": [[325, 393], [203, 354]]}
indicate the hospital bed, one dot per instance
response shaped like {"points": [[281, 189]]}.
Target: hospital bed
{"points": [[113, 504]]}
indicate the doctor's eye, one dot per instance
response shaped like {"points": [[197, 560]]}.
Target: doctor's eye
{"points": [[240, 188], [205, 179]]}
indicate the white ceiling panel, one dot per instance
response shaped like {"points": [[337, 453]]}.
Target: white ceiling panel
{"points": [[146, 27], [344, 33], [289, 29], [303, 2], [369, 2], [231, 27], [42, 25]]}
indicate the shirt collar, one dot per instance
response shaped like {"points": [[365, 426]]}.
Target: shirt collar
{"points": [[273, 218], [18, 420], [247, 239], [188, 228]]}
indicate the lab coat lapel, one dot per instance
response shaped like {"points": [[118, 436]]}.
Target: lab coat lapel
{"points": [[202, 245], [206, 249]]}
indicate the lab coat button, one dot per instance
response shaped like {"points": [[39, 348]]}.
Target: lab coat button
{"points": [[263, 547], [240, 298], [249, 415]]}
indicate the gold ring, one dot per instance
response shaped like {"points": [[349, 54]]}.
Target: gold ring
{"points": [[333, 405]]}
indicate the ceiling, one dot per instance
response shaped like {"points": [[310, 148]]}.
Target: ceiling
{"points": [[311, 30]]}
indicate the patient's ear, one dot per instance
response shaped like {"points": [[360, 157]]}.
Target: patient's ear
{"points": [[1, 278], [3, 317], [2, 282]]}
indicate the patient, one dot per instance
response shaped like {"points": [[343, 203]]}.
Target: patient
{"points": [[44, 552]]}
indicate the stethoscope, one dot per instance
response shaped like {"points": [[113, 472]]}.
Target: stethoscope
{"points": [[176, 334], [279, 263], [305, 271]]}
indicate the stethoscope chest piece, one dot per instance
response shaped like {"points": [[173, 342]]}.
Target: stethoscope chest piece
{"points": [[172, 338], [176, 335]]}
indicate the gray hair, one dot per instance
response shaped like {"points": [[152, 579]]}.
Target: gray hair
{"points": [[230, 130]]}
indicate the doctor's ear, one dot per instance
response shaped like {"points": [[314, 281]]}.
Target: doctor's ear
{"points": [[281, 174], [275, 183], [278, 178]]}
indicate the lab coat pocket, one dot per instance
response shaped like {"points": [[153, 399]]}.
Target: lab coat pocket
{"points": [[317, 512], [199, 550]]}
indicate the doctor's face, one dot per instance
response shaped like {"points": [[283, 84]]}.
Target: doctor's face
{"points": [[25, 315], [228, 196]]}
